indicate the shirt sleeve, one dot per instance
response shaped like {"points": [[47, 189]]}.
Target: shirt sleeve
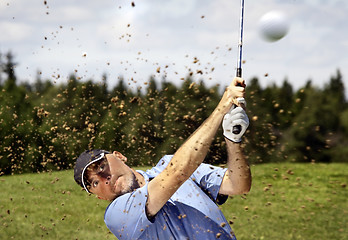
{"points": [[209, 178], [126, 217]]}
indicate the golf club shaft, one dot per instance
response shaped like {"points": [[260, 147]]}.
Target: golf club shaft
{"points": [[238, 128], [240, 44]]}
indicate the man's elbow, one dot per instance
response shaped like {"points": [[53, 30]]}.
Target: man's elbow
{"points": [[241, 189], [246, 189]]}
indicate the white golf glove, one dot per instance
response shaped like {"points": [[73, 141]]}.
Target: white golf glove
{"points": [[237, 118]]}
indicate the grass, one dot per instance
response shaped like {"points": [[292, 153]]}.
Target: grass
{"points": [[287, 201], [293, 201]]}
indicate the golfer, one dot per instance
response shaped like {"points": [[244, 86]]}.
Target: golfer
{"points": [[176, 199]]}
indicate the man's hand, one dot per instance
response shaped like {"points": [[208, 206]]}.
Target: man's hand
{"points": [[236, 116], [235, 91], [237, 88]]}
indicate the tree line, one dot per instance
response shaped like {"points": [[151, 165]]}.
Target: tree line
{"points": [[45, 126]]}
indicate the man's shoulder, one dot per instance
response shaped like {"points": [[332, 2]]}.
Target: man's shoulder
{"points": [[126, 215], [160, 166], [163, 162], [127, 201]]}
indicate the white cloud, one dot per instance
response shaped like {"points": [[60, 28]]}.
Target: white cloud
{"points": [[72, 13], [14, 32], [134, 41], [170, 9]]}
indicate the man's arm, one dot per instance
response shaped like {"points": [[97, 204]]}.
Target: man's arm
{"points": [[237, 179], [192, 153]]}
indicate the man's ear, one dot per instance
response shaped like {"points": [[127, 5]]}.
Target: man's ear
{"points": [[120, 156]]}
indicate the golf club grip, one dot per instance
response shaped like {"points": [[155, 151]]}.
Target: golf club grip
{"points": [[238, 128], [239, 72]]}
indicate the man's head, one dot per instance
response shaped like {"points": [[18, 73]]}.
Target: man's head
{"points": [[104, 174], [87, 158]]}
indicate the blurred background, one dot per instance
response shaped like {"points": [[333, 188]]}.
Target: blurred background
{"points": [[140, 77], [138, 39]]}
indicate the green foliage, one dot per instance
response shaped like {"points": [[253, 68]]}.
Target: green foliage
{"points": [[45, 126], [316, 133]]}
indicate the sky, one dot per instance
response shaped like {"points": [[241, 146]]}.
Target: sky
{"points": [[172, 38]]}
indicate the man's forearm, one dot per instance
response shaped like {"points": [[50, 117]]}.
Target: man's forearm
{"points": [[238, 172], [192, 153], [184, 162]]}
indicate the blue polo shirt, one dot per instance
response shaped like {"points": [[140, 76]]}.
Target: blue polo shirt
{"points": [[191, 213]]}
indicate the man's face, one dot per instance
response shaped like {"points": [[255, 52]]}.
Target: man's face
{"points": [[111, 177]]}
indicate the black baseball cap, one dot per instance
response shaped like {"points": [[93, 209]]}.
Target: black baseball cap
{"points": [[83, 161]]}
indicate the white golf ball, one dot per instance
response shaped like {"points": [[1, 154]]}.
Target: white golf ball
{"points": [[273, 26]]}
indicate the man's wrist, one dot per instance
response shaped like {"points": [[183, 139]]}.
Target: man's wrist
{"points": [[237, 141]]}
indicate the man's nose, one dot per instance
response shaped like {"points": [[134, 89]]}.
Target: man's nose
{"points": [[107, 179]]}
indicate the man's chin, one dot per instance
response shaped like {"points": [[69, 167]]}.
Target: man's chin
{"points": [[131, 187]]}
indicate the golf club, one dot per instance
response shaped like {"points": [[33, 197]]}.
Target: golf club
{"points": [[236, 129]]}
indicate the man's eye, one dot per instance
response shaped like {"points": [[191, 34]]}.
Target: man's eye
{"points": [[95, 183]]}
